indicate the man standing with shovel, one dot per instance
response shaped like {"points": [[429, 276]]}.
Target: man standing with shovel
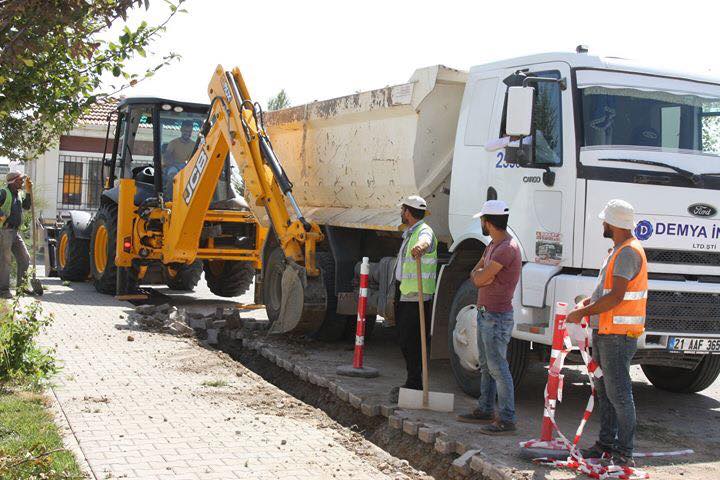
{"points": [[418, 242], [496, 276], [13, 200]]}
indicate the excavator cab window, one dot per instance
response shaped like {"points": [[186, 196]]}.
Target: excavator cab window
{"points": [[178, 136]]}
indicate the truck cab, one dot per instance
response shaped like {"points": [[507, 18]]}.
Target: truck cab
{"points": [[602, 128]]}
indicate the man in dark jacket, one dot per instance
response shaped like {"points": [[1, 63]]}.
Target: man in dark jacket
{"points": [[13, 199]]}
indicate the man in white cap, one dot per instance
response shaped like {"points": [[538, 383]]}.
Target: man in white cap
{"points": [[12, 202], [418, 242], [617, 316], [495, 275]]}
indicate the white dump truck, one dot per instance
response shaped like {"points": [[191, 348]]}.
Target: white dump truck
{"points": [[601, 128]]}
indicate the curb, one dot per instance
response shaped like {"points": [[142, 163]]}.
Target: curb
{"points": [[470, 459]]}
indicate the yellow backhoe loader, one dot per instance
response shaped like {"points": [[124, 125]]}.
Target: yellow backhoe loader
{"points": [[171, 208]]}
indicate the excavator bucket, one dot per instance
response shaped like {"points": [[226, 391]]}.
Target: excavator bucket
{"points": [[304, 302]]}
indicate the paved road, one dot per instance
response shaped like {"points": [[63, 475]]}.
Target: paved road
{"points": [[163, 407]]}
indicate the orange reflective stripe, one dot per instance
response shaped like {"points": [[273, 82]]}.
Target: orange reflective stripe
{"points": [[627, 318]]}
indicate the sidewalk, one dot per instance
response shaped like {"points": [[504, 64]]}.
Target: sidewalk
{"points": [[151, 406]]}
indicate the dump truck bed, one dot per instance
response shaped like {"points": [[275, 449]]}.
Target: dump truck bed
{"points": [[353, 158]]}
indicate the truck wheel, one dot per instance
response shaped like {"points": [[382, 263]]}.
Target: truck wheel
{"points": [[102, 251], [227, 278], [467, 379], [334, 325], [73, 261], [683, 380], [184, 278]]}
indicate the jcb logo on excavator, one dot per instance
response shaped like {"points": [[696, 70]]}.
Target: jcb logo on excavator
{"points": [[197, 171]]}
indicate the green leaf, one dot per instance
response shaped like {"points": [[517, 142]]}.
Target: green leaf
{"points": [[116, 71], [2, 79], [141, 51]]}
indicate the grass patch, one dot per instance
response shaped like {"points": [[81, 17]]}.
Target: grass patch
{"points": [[214, 383], [30, 444]]}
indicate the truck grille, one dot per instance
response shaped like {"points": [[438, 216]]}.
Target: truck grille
{"points": [[679, 257], [683, 312]]}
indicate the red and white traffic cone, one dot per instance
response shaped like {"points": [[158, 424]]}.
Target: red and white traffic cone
{"points": [[357, 369]]}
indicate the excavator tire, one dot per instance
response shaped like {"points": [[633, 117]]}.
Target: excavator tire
{"points": [[227, 278], [185, 278], [73, 261], [102, 251], [334, 325]]}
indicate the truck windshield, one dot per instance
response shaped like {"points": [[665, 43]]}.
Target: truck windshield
{"points": [[650, 119]]}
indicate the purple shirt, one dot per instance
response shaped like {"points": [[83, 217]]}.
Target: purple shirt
{"points": [[497, 297]]}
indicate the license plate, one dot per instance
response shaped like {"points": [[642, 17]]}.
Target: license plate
{"points": [[694, 344]]}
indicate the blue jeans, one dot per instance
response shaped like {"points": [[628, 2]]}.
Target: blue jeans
{"points": [[494, 330], [614, 391]]}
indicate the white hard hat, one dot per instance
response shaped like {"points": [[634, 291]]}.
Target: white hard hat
{"points": [[414, 201], [493, 207], [619, 213]]}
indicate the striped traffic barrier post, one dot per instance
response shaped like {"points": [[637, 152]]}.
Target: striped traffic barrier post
{"points": [[357, 369]]}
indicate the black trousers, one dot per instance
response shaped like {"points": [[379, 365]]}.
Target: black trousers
{"points": [[407, 320]]}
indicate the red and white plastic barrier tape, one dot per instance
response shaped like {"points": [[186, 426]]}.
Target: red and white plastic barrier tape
{"points": [[562, 344], [362, 305]]}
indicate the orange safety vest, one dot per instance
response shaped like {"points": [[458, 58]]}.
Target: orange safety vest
{"points": [[628, 317]]}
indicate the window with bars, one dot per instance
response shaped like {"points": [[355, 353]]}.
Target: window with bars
{"points": [[80, 182]]}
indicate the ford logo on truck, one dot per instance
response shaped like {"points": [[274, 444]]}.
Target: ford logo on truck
{"points": [[702, 210]]}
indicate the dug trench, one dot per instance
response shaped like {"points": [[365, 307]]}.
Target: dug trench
{"points": [[421, 456]]}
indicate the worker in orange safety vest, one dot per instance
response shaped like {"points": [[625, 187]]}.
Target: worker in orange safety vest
{"points": [[617, 316]]}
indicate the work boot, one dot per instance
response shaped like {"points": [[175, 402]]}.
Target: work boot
{"points": [[596, 451], [499, 427], [622, 460], [476, 416]]}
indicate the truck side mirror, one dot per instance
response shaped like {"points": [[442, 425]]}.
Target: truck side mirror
{"points": [[519, 111]]}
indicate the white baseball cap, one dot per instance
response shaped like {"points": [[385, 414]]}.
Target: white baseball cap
{"points": [[414, 201], [493, 207], [619, 213]]}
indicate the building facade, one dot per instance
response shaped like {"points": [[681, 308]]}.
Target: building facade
{"points": [[70, 175]]}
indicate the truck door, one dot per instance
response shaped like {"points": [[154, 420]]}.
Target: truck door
{"points": [[542, 198]]}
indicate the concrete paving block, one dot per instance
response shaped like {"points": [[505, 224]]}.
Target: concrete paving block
{"points": [[428, 434], [496, 472], [287, 365], [322, 382], [272, 358], [212, 336], [332, 386], [312, 378], [198, 323], [444, 445], [411, 427], [395, 422], [387, 410], [370, 409], [342, 393], [264, 352], [354, 400], [462, 446], [301, 372], [462, 463]]}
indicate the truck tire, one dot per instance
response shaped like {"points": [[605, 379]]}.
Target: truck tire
{"points": [[185, 278], [102, 251], [469, 380], [227, 278], [683, 380], [73, 261], [334, 324]]}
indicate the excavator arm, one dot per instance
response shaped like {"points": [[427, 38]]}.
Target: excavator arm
{"points": [[234, 126]]}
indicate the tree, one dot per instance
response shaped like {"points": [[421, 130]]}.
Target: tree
{"points": [[279, 101], [53, 59]]}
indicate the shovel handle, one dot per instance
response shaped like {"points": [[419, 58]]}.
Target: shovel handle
{"points": [[423, 343]]}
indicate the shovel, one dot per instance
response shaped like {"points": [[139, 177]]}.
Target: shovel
{"points": [[35, 284], [424, 400]]}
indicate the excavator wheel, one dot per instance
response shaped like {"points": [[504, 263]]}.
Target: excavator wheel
{"points": [[102, 251], [184, 278], [227, 278], [295, 303], [334, 325], [73, 261]]}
